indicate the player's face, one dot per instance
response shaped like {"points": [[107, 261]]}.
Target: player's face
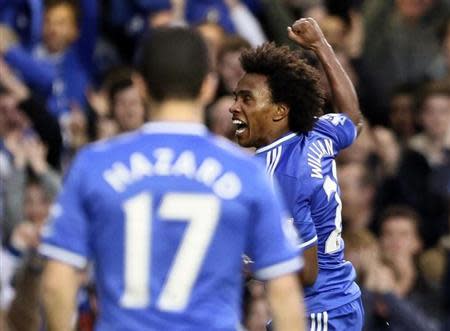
{"points": [[252, 111]]}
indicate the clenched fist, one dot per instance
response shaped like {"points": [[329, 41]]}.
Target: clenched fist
{"points": [[307, 33]]}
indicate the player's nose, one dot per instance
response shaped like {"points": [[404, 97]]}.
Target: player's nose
{"points": [[234, 107]]}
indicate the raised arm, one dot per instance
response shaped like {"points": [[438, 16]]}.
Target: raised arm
{"points": [[307, 33]]}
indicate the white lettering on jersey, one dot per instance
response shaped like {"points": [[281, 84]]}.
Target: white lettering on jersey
{"points": [[317, 150], [227, 185]]}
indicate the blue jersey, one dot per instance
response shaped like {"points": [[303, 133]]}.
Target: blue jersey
{"points": [[165, 214], [304, 166]]}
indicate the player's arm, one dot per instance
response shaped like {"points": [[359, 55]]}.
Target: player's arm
{"points": [[308, 274], [286, 303], [59, 288], [307, 33], [305, 227]]}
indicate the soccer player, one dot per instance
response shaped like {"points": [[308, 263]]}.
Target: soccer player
{"points": [[277, 109], [165, 214]]}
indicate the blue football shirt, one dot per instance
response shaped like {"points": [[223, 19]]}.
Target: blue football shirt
{"points": [[165, 215], [305, 169]]}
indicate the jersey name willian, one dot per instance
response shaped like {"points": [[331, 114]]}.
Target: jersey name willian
{"points": [[305, 169], [165, 214]]}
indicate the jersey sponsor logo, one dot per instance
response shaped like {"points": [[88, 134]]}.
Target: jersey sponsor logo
{"points": [[317, 150], [227, 185], [335, 119]]}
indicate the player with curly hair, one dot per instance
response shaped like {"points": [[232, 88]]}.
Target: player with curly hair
{"points": [[279, 110]]}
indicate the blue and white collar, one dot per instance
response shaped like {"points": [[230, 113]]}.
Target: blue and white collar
{"points": [[276, 143], [189, 128]]}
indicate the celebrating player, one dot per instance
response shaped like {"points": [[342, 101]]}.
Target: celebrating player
{"points": [[165, 214], [277, 109]]}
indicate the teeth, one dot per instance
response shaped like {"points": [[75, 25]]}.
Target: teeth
{"points": [[241, 126]]}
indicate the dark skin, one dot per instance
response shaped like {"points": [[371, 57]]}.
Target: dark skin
{"points": [[260, 122], [253, 105], [264, 120]]}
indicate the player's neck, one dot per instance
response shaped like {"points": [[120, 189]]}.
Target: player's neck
{"points": [[275, 134], [177, 111]]}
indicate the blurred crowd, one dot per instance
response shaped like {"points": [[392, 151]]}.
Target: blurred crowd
{"points": [[67, 79]]}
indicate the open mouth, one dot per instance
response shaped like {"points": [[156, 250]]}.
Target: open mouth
{"points": [[241, 126]]}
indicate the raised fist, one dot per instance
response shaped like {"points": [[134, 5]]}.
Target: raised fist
{"points": [[307, 33]]}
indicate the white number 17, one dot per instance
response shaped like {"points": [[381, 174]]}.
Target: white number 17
{"points": [[202, 212]]}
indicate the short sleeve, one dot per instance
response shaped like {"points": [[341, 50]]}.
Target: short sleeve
{"points": [[304, 224], [65, 236], [273, 242], [339, 127]]}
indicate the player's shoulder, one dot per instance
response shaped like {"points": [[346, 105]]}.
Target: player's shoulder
{"points": [[332, 122], [333, 118], [242, 161], [107, 145], [91, 153], [232, 151]]}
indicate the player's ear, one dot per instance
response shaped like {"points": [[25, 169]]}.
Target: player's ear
{"points": [[208, 89], [281, 111]]}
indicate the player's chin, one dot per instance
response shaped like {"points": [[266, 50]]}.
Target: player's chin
{"points": [[244, 142]]}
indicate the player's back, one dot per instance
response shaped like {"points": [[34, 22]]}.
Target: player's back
{"points": [[305, 168], [169, 217]]}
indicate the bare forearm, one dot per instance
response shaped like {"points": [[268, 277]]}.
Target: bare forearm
{"points": [[307, 33], [59, 294], [344, 95], [309, 273], [286, 304]]}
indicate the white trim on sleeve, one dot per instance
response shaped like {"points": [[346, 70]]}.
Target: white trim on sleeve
{"points": [[63, 255], [279, 269], [307, 243]]}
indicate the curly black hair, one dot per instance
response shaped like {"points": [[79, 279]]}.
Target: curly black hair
{"points": [[291, 80]]}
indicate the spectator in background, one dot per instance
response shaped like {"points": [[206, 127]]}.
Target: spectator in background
{"points": [[18, 98], [245, 23], [401, 40], [22, 146], [439, 69], [358, 194], [28, 192], [127, 104], [218, 118], [401, 244], [24, 17], [214, 36], [434, 108], [384, 309], [228, 65], [28, 200], [402, 116], [60, 69]]}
